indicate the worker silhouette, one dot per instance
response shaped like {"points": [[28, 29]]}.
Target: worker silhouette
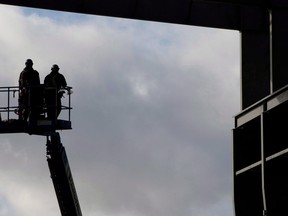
{"points": [[54, 82], [29, 97]]}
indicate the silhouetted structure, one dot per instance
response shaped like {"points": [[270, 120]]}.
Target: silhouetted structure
{"points": [[62, 177], [260, 147], [56, 154]]}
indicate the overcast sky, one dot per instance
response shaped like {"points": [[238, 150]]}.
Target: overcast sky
{"points": [[153, 108]]}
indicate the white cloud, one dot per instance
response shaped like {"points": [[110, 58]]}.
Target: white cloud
{"points": [[152, 115]]}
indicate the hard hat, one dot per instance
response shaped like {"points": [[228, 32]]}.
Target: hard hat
{"points": [[55, 67], [29, 62]]}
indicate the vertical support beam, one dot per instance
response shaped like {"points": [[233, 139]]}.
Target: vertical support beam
{"points": [[263, 159], [255, 56]]}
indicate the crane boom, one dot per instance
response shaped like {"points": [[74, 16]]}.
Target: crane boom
{"points": [[41, 125], [62, 177]]}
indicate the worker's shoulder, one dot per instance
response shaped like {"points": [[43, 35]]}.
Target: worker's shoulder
{"points": [[60, 76], [35, 71]]}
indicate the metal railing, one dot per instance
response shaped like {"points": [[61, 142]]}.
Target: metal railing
{"points": [[10, 104]]}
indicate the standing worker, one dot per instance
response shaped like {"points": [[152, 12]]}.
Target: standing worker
{"points": [[53, 83], [29, 101]]}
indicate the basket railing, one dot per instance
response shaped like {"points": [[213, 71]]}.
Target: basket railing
{"points": [[10, 104]]}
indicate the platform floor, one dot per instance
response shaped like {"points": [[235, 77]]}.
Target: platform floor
{"points": [[37, 127]]}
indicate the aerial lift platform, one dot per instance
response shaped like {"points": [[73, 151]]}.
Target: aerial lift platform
{"points": [[10, 122], [55, 152]]}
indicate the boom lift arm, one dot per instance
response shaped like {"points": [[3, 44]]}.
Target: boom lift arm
{"points": [[40, 125], [62, 177]]}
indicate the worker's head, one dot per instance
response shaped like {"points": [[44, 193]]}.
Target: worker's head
{"points": [[29, 63], [55, 67]]}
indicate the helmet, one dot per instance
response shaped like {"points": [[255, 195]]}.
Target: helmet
{"points": [[29, 62], [55, 67]]}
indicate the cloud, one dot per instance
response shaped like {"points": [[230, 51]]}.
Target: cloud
{"points": [[152, 115]]}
